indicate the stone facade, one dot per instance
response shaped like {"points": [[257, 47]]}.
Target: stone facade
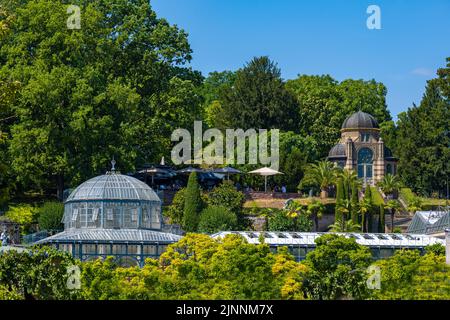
{"points": [[361, 149]]}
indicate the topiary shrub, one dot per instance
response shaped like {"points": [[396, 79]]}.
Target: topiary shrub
{"points": [[227, 196], [193, 204], [50, 215], [217, 218]]}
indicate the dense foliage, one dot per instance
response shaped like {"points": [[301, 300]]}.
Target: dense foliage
{"points": [[421, 139], [337, 269], [283, 220], [409, 276], [193, 204], [50, 216], [84, 93], [217, 218], [198, 267]]}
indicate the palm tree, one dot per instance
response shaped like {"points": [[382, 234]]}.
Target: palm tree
{"points": [[349, 179], [364, 207], [415, 204], [390, 184], [393, 206], [347, 226], [315, 210], [322, 174]]}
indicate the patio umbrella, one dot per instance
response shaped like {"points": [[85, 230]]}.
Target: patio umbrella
{"points": [[153, 171], [227, 171], [266, 172], [189, 170], [163, 163]]}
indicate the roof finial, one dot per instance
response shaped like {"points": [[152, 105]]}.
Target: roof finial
{"points": [[113, 165]]}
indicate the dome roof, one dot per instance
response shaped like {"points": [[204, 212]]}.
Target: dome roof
{"points": [[338, 151], [113, 186], [360, 120]]}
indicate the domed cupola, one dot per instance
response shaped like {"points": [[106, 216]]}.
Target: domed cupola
{"points": [[337, 152], [360, 120]]}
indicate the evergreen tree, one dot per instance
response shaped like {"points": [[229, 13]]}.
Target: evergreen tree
{"points": [[354, 203], [339, 199], [368, 217], [381, 223], [258, 99], [193, 204]]}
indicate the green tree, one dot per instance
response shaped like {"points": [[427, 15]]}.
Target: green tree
{"points": [[258, 98], [381, 220], [393, 206], [215, 218], [50, 216], [25, 215], [227, 196], [283, 220], [108, 89], [367, 226], [390, 184], [337, 269], [322, 175], [423, 137], [354, 202], [340, 198], [315, 210], [437, 249], [213, 86], [41, 274], [324, 104], [409, 276], [175, 211], [193, 204]]}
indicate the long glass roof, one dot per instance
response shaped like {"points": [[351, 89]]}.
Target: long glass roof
{"points": [[107, 235], [308, 238], [113, 186]]}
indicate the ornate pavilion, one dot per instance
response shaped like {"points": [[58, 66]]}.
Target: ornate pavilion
{"points": [[362, 150], [113, 215]]}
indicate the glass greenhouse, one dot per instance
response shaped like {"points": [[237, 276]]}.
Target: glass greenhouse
{"points": [[113, 215], [430, 222]]}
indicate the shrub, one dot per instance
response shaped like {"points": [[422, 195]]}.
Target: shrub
{"points": [[50, 215], [24, 215], [216, 218], [437, 249], [227, 196], [193, 204], [281, 220], [175, 211]]}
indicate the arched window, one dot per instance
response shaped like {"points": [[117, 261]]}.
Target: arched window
{"points": [[365, 163]]}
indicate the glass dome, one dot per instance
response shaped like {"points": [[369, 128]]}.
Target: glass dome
{"points": [[113, 201]]}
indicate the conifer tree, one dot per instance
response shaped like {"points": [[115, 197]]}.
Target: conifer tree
{"points": [[193, 204]]}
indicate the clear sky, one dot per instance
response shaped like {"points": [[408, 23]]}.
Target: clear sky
{"points": [[321, 37]]}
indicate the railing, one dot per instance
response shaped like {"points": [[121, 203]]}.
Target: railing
{"points": [[31, 238]]}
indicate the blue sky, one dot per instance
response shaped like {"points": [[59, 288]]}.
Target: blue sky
{"points": [[321, 37]]}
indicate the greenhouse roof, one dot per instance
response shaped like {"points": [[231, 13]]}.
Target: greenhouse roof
{"points": [[111, 235], [428, 222], [308, 238], [113, 186]]}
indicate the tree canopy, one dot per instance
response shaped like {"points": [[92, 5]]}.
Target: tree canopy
{"points": [[118, 86]]}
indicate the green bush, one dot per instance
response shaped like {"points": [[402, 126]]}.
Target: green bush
{"points": [[216, 218], [24, 214], [377, 199], [437, 249], [282, 220], [227, 196], [175, 211], [50, 215]]}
